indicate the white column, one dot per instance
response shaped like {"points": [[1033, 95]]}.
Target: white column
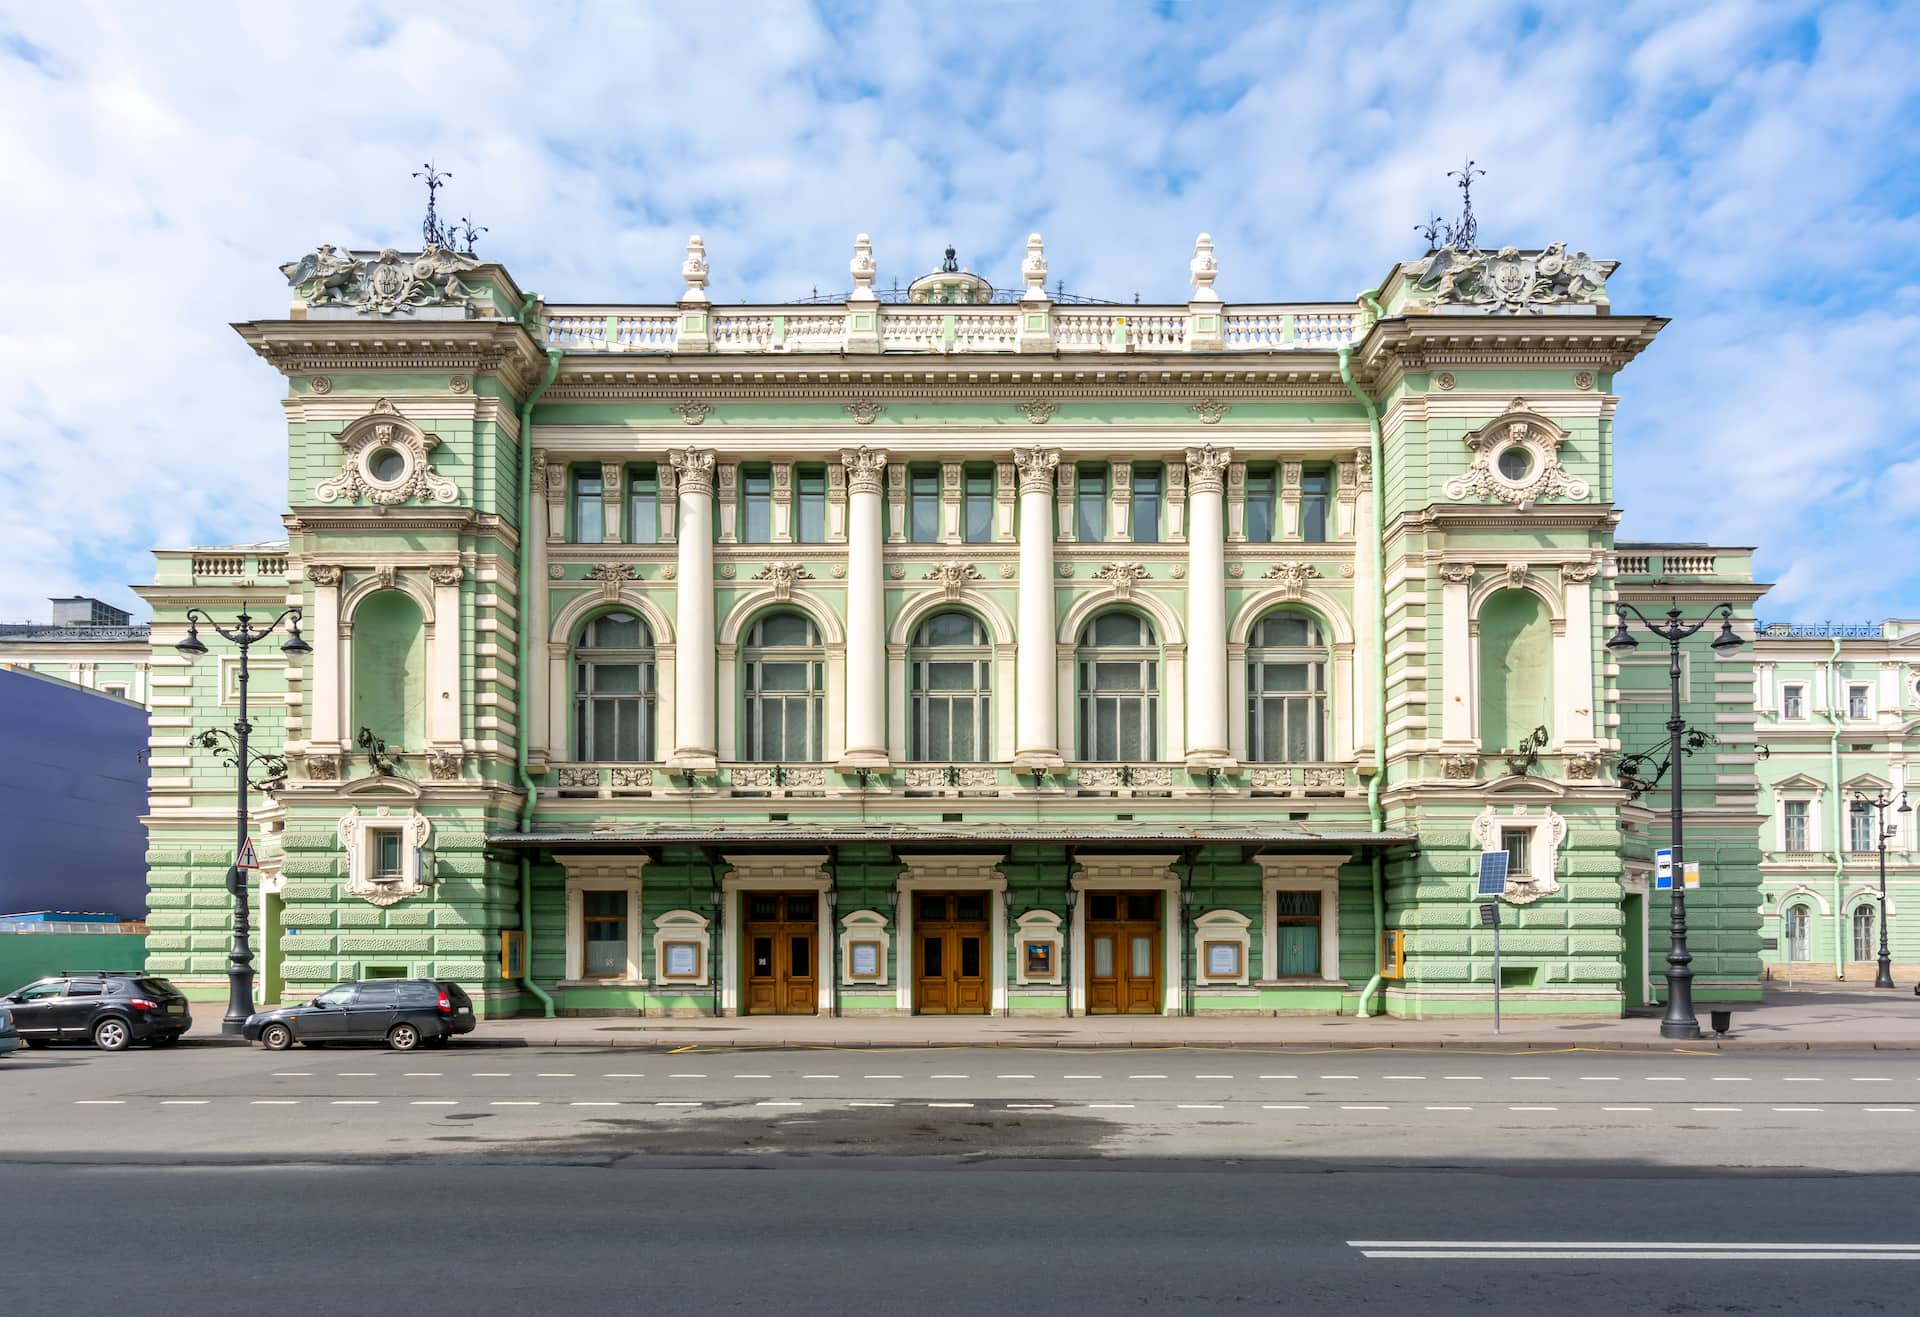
{"points": [[443, 711], [695, 745], [323, 725], [1206, 723], [1035, 744], [866, 700], [1578, 646], [1456, 671], [1369, 567]]}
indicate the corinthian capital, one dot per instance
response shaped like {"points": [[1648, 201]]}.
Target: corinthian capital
{"points": [[693, 467], [323, 574], [1207, 469], [866, 469], [1036, 466]]}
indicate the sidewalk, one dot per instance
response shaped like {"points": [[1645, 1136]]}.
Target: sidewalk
{"points": [[1827, 1019]]}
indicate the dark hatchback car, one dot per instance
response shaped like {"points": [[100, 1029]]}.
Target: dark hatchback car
{"points": [[403, 1013], [109, 1008]]}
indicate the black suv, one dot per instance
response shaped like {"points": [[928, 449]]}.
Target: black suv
{"points": [[403, 1013], [111, 1007]]}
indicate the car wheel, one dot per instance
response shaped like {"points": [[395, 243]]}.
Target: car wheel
{"points": [[276, 1038], [403, 1037], [112, 1035]]}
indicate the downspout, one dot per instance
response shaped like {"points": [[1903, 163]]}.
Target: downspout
{"points": [[1376, 585], [1839, 815], [521, 644]]}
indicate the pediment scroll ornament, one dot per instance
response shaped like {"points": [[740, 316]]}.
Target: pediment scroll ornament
{"points": [[953, 576], [1121, 577], [783, 576], [385, 461], [612, 577], [1292, 578], [381, 283], [1516, 459]]}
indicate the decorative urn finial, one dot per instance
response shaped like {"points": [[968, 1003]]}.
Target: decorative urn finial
{"points": [[694, 270], [1034, 270], [862, 269], [1203, 269]]}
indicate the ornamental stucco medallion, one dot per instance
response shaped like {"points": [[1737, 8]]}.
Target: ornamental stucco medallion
{"points": [[1516, 459], [381, 283], [385, 460]]}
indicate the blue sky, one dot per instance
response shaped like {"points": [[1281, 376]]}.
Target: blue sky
{"points": [[1752, 165]]}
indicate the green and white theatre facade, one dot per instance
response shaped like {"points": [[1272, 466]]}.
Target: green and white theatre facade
{"points": [[962, 651]]}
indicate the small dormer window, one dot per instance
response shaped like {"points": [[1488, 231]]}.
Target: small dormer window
{"points": [[1793, 701]]}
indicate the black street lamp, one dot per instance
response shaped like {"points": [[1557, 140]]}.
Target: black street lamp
{"points": [[1679, 1021], [1862, 805], [244, 634]]}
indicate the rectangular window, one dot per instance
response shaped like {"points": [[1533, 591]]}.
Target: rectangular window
{"points": [[1296, 935], [810, 504], [1793, 701], [1259, 503], [979, 508], [923, 504], [386, 854], [1857, 702], [756, 505], [643, 505], [1316, 501], [1518, 844], [1795, 815], [605, 915], [589, 513], [1090, 502], [1146, 504], [1860, 830]]}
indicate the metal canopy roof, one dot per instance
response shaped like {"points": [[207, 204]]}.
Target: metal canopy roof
{"points": [[780, 836]]}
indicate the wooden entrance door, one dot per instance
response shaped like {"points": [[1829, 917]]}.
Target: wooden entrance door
{"points": [[1123, 953], [780, 935], [951, 948]]}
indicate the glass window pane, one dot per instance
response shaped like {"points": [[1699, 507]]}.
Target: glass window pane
{"points": [[933, 949], [1259, 503], [616, 631], [979, 513], [970, 957], [783, 676], [604, 729], [950, 676], [615, 678], [785, 629], [963, 747], [810, 523], [1142, 966], [1103, 957], [1090, 505], [1116, 676], [1130, 730], [939, 729], [589, 517]]}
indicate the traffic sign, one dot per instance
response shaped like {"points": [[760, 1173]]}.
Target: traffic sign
{"points": [[1493, 873], [247, 859], [1663, 862]]}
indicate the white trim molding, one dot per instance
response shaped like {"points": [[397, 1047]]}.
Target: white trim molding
{"points": [[1128, 873], [774, 873], [952, 873], [1222, 926], [1300, 873], [602, 873]]}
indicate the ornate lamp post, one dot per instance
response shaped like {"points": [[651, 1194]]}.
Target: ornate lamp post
{"points": [[1679, 1021], [1862, 805], [244, 634]]}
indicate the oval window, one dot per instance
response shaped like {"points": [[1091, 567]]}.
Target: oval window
{"points": [[1515, 462], [387, 465]]}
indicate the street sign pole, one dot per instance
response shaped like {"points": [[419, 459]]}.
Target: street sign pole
{"points": [[1493, 885], [1496, 969]]}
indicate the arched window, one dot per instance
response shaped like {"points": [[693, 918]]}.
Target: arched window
{"points": [[613, 690], [390, 670], [1516, 669], [952, 673], [1863, 948], [785, 669], [1119, 689], [1287, 690], [1797, 932]]}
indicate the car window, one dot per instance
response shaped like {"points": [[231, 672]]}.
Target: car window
{"points": [[42, 990], [83, 988], [157, 987], [377, 994], [339, 996]]}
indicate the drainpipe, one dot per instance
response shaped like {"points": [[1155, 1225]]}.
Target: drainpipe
{"points": [[1376, 586], [1839, 815], [522, 643]]}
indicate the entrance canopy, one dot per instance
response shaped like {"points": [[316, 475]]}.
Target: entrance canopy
{"points": [[956, 836]]}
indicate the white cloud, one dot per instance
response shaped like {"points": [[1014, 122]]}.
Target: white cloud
{"points": [[1752, 165]]}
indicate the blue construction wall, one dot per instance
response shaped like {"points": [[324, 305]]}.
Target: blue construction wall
{"points": [[72, 790]]}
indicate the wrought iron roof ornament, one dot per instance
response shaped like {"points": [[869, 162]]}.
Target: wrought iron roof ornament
{"points": [[468, 235], [951, 265], [432, 232], [1463, 235]]}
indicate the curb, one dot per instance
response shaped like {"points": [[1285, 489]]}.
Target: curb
{"points": [[1206, 1044]]}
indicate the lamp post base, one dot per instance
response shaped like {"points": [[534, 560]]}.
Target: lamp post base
{"points": [[1884, 979], [1680, 1030]]}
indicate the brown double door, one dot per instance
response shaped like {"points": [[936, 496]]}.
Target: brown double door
{"points": [[781, 934], [951, 943], [1123, 953]]}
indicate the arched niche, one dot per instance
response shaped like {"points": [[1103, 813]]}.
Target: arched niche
{"points": [[1516, 668], [389, 679]]}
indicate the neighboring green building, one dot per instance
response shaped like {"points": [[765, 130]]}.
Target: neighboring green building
{"points": [[1838, 710], [86, 642], [953, 652]]}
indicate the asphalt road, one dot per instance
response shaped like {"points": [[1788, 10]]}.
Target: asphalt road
{"points": [[355, 1180]]}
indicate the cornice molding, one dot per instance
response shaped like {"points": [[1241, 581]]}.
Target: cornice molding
{"points": [[297, 347], [1397, 346]]}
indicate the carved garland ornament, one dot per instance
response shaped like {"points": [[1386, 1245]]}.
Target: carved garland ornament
{"points": [[372, 445], [863, 412], [1516, 459], [1209, 410], [1037, 410]]}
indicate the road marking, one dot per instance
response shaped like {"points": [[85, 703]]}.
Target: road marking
{"points": [[1403, 1076], [736, 1076], [779, 1104], [1664, 1079], [1731, 1079], [803, 1076], [1644, 1245], [1716, 1108], [869, 1104], [1890, 1109], [1533, 1108], [100, 1102], [1029, 1106], [1366, 1108], [1109, 1106], [1449, 1108], [554, 1074], [1339, 1076], [1805, 1079], [1222, 1076], [948, 1076], [435, 1102], [1013, 1076], [1146, 1076], [1460, 1076], [1080, 1076], [677, 1104], [1529, 1076], [1279, 1076], [1872, 1079], [293, 1074], [593, 1104], [356, 1102], [1599, 1079], [703, 1076], [353, 1074], [863, 1076], [514, 1104], [421, 1074], [1525, 1251], [1208, 1106], [276, 1102], [183, 1102], [1798, 1108], [493, 1074], [949, 1104], [1626, 1108], [635, 1074], [1291, 1106]]}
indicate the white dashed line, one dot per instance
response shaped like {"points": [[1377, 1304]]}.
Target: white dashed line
{"points": [[1872, 1079], [1599, 1079], [421, 1074], [947, 1076], [1199, 1106], [1403, 1076], [1013, 1076], [1279, 1076], [1717, 1108], [1029, 1106], [703, 1076], [779, 1104], [554, 1074], [1731, 1079], [1663, 1079], [1365, 1108], [1804, 1079], [1146, 1076], [676, 1104], [1533, 1108], [356, 1102], [635, 1074], [1339, 1076], [493, 1074], [1460, 1076], [949, 1104], [867, 1076], [1530, 1077], [1890, 1109], [1213, 1076], [1109, 1106], [1626, 1108], [353, 1074], [183, 1102], [1292, 1106], [515, 1103], [293, 1074], [1080, 1076], [869, 1104], [101, 1102], [593, 1104], [276, 1102], [739, 1076], [1449, 1108], [803, 1076], [435, 1102], [1799, 1108]]}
